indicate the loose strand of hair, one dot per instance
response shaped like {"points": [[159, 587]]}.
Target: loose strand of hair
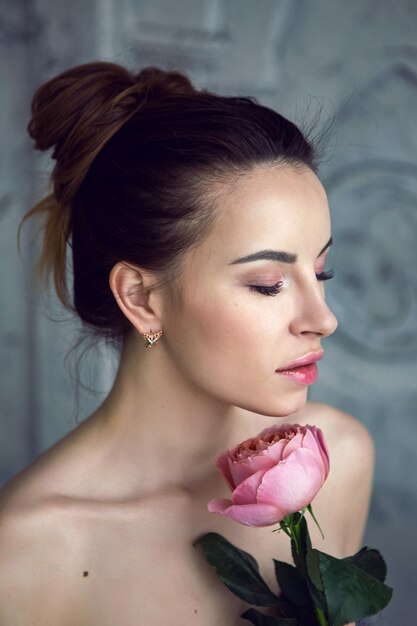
{"points": [[55, 230]]}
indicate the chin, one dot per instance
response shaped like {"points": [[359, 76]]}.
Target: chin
{"points": [[285, 406], [293, 404], [287, 410]]}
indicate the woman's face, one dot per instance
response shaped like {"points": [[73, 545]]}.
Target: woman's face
{"points": [[230, 337]]}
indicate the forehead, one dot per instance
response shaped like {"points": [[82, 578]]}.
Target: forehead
{"points": [[279, 207]]}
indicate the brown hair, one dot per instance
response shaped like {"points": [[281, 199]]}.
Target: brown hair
{"points": [[137, 162]]}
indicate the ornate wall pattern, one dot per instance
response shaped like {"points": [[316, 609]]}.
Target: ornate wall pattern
{"points": [[359, 61]]}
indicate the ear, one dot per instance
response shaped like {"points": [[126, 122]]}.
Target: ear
{"points": [[130, 287]]}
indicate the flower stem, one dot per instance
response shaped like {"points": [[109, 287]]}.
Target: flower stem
{"points": [[296, 535], [321, 618]]}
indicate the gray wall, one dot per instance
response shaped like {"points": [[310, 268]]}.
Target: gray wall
{"points": [[357, 60]]}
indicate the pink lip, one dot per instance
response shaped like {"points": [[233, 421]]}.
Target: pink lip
{"points": [[311, 357], [303, 370]]}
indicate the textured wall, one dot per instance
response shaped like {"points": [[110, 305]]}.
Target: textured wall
{"points": [[358, 60]]}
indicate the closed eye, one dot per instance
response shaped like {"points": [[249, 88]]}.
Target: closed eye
{"points": [[325, 275], [267, 291]]}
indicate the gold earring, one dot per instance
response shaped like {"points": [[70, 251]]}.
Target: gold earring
{"points": [[151, 339]]}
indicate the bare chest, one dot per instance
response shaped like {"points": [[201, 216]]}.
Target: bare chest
{"points": [[142, 568]]}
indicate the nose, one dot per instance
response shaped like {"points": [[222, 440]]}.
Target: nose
{"points": [[314, 315]]}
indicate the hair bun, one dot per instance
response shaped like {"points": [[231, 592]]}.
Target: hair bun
{"points": [[159, 83], [79, 110], [76, 113]]}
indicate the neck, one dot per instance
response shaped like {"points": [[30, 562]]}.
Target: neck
{"points": [[158, 427]]}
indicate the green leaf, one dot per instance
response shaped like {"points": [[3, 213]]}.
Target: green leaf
{"points": [[370, 561], [314, 582], [259, 619], [313, 569], [351, 593], [304, 532], [292, 584], [237, 569]]}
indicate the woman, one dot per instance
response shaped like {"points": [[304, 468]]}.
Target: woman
{"points": [[199, 232]]}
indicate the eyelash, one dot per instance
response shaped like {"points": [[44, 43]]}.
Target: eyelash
{"points": [[267, 291], [325, 275], [275, 289]]}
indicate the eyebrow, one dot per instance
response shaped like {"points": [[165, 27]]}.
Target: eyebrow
{"points": [[275, 255]]}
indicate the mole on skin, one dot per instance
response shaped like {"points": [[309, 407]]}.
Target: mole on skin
{"points": [[85, 573]]}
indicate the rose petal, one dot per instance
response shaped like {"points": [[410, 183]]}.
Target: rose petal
{"points": [[311, 442], [323, 448], [219, 505], [247, 514], [294, 443], [222, 462], [293, 483], [275, 450], [246, 492], [241, 470]]}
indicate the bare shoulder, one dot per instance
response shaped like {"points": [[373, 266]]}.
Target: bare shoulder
{"points": [[344, 433], [352, 457], [33, 555], [41, 543], [350, 443]]}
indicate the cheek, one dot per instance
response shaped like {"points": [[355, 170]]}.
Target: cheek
{"points": [[240, 332], [227, 354], [230, 348], [219, 323]]}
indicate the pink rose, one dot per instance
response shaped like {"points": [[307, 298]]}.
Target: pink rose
{"points": [[272, 475]]}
